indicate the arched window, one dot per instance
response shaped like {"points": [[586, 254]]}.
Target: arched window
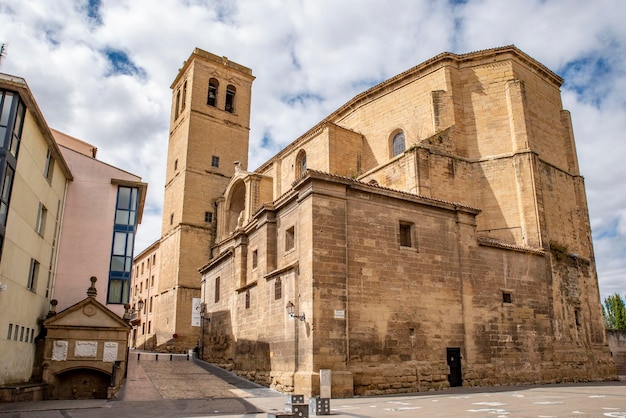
{"points": [[230, 98], [278, 289], [212, 97], [398, 145], [184, 98], [176, 113], [300, 163]]}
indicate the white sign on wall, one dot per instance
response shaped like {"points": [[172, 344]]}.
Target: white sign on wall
{"points": [[85, 348], [59, 351], [196, 312], [110, 352]]}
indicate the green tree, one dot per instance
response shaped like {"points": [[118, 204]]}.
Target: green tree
{"points": [[614, 311]]}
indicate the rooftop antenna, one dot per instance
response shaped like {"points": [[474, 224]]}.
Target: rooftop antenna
{"points": [[3, 51]]}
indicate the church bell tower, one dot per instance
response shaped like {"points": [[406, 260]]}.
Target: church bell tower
{"points": [[209, 132]]}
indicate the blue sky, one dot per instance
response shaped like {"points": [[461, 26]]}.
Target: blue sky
{"points": [[101, 70]]}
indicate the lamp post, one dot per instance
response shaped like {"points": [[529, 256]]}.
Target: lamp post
{"points": [[291, 311], [140, 303]]}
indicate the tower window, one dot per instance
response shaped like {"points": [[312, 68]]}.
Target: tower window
{"points": [[507, 297], [248, 299], [278, 289], [212, 97], [175, 164], [208, 217], [171, 219], [215, 161], [230, 98], [217, 289], [289, 239], [406, 234], [300, 163], [184, 98], [177, 112], [398, 144]]}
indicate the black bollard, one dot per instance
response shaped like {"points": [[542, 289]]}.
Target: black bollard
{"points": [[138, 355]]}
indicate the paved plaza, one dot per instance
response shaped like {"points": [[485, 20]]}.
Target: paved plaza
{"points": [[187, 388]]}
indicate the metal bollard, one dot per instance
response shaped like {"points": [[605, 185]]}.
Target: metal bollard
{"points": [[171, 357], [157, 357], [138, 356], [187, 356]]}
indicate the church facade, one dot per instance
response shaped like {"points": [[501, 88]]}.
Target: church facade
{"points": [[431, 232]]}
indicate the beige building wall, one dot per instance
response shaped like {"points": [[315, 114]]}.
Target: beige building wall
{"points": [[144, 288], [488, 194], [206, 140], [29, 240]]}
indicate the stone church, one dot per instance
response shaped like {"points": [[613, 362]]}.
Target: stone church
{"points": [[431, 232]]}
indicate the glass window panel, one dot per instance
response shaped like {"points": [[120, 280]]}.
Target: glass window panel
{"points": [[115, 291], [132, 216], [3, 134], [6, 109], [3, 213], [119, 243], [117, 263], [14, 146], [123, 198], [121, 217], [8, 183], [130, 240], [133, 202], [129, 264], [17, 127]]}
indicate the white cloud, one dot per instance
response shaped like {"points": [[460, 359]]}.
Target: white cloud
{"points": [[309, 57]]}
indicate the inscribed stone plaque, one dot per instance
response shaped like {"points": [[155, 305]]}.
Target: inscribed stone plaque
{"points": [[85, 348], [59, 351], [326, 379], [110, 352]]}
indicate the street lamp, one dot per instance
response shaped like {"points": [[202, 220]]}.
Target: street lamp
{"points": [[291, 311], [140, 305]]}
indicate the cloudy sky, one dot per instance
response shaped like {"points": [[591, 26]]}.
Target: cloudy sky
{"points": [[101, 70]]}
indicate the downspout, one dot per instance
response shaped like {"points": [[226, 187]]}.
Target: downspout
{"points": [[347, 306], [61, 216]]}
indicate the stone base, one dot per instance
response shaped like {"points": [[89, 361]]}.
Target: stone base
{"points": [[308, 383]]}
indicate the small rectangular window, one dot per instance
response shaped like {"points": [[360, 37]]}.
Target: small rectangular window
{"points": [[32, 275], [217, 289], [143, 329], [152, 281], [175, 165], [406, 234], [42, 214], [17, 329], [21, 333], [48, 167], [149, 326], [150, 304], [208, 217], [215, 161], [248, 299], [171, 218], [32, 335], [507, 297], [289, 239], [10, 331], [255, 258]]}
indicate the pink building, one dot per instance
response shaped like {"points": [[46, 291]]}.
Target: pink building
{"points": [[103, 207]]}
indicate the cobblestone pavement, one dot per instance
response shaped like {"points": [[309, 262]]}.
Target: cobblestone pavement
{"points": [[186, 389]]}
